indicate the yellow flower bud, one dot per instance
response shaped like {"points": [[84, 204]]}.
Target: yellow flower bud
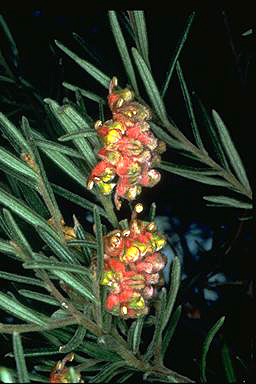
{"points": [[106, 188], [113, 136], [132, 254], [109, 175]]}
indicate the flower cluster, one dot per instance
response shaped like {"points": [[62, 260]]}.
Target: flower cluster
{"points": [[132, 266], [60, 373], [130, 149]]}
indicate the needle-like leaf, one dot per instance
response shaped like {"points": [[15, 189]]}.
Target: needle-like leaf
{"points": [[206, 345], [121, 45], [228, 201], [177, 52], [150, 86], [231, 151], [91, 69], [20, 359]]}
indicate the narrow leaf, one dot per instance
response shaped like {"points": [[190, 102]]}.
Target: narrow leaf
{"points": [[152, 212], [134, 334], [189, 106], [39, 297], [87, 94], [150, 86], [177, 52], [10, 161], [72, 121], [20, 311], [155, 345], [121, 45], [6, 247], [61, 250], [206, 345], [76, 199], [108, 372], [141, 31], [80, 133], [213, 135], [228, 365], [20, 359], [57, 267], [91, 69], [170, 330], [17, 234], [34, 200], [52, 146], [13, 133], [44, 185], [161, 134], [75, 341], [21, 279], [74, 283], [6, 375], [198, 175], [228, 201], [231, 151], [174, 287], [99, 241]]}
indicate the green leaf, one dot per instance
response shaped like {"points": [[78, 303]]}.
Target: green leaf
{"points": [[108, 372], [174, 287], [17, 234], [189, 106], [169, 332], [60, 250], [99, 352], [44, 185], [161, 134], [74, 283], [72, 122], [6, 247], [20, 311], [231, 151], [212, 132], [206, 345], [75, 341], [125, 377], [20, 359], [91, 69], [34, 200], [141, 32], [228, 365], [155, 345], [21, 279], [150, 86], [152, 212], [81, 235], [177, 52], [198, 174], [121, 45], [76, 199], [228, 201], [6, 375], [80, 133], [52, 146], [100, 244], [134, 334], [13, 133], [57, 267], [9, 161], [39, 297]]}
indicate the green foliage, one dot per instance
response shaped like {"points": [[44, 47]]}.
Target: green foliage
{"points": [[62, 267]]}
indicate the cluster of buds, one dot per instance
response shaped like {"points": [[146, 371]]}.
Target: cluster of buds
{"points": [[132, 267], [60, 373], [130, 149]]}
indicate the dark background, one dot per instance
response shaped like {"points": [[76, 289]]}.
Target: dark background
{"points": [[219, 66]]}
